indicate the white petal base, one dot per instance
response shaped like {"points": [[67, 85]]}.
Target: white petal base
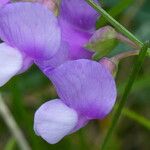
{"points": [[54, 120], [10, 62]]}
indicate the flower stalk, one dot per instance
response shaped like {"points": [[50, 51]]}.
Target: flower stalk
{"points": [[125, 40], [123, 55]]}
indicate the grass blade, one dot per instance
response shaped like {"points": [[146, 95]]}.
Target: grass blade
{"points": [[132, 78], [14, 128]]}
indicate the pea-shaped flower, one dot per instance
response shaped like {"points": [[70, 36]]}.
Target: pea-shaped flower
{"points": [[86, 90], [30, 32], [78, 21]]}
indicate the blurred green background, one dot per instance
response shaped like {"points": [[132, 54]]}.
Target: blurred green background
{"points": [[26, 92]]}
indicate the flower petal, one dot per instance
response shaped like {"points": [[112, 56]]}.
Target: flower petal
{"points": [[3, 2], [30, 27], [76, 40], [79, 13], [86, 86], [60, 57], [54, 120], [10, 62]]}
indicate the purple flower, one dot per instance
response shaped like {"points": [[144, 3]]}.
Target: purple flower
{"points": [[3, 2], [30, 32], [45, 47], [76, 40], [79, 14], [87, 91], [31, 28], [59, 58], [77, 20]]}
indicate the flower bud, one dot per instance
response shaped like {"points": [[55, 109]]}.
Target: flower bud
{"points": [[102, 42]]}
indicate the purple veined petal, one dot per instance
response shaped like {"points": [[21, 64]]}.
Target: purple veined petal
{"points": [[79, 14], [3, 2], [54, 120], [30, 27], [86, 86], [11, 61], [59, 58], [76, 40]]}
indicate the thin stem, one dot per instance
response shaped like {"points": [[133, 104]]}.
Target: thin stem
{"points": [[12, 125], [145, 122], [132, 78], [116, 24], [123, 55], [136, 117]]}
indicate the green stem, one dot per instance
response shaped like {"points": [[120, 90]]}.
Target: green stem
{"points": [[116, 24], [136, 117], [132, 78]]}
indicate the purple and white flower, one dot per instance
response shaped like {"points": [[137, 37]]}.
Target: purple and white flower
{"points": [[30, 32], [86, 90]]}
